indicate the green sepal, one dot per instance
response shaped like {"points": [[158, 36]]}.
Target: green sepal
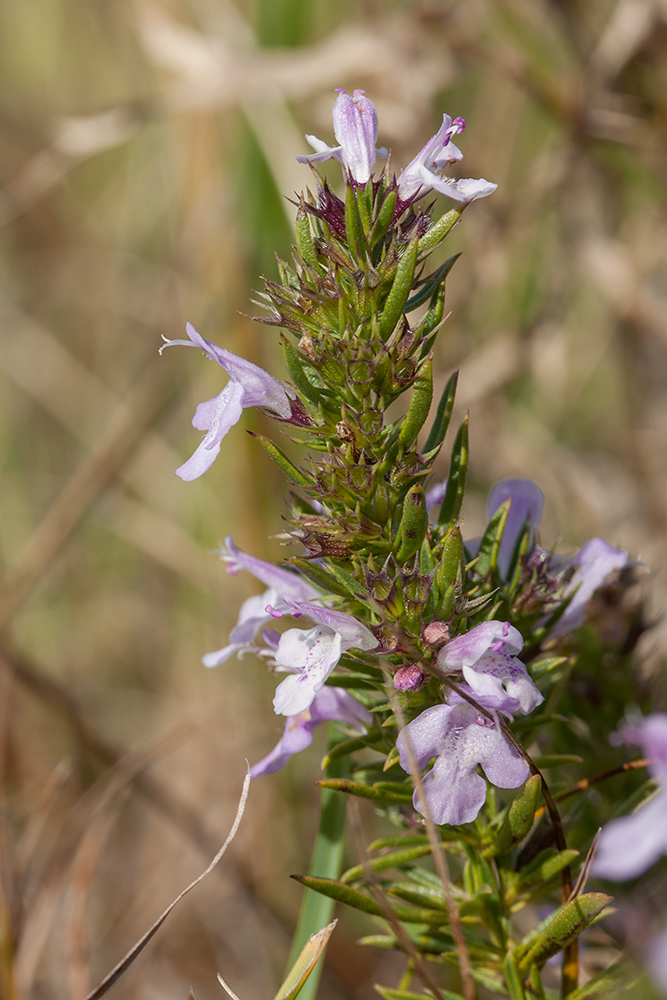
{"points": [[442, 417], [616, 979], [346, 580], [487, 557], [456, 481], [311, 953], [293, 475], [383, 221], [451, 558], [360, 901], [420, 404], [519, 819], [304, 237], [445, 608], [386, 792], [440, 229], [400, 290], [322, 578], [296, 371], [354, 229], [348, 747], [426, 561], [332, 372], [414, 524], [431, 286], [393, 860], [564, 927]]}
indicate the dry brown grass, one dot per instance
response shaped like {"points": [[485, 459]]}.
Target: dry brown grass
{"points": [[143, 147]]}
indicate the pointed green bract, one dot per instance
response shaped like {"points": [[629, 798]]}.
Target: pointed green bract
{"points": [[413, 524], [442, 417], [420, 404], [456, 480]]}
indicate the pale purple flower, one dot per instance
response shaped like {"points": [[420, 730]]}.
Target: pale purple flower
{"points": [[312, 654], [631, 844], [282, 584], [460, 739], [248, 385], [527, 503], [486, 657], [356, 128], [330, 704], [593, 563], [426, 171]]}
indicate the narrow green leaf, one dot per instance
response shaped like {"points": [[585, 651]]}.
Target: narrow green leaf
{"points": [[544, 867], [557, 760], [565, 925], [512, 978], [430, 286], [442, 417], [361, 901], [295, 476], [400, 290], [327, 859], [487, 557], [618, 977], [376, 793], [321, 577], [456, 481], [543, 665], [354, 229], [346, 747], [396, 859], [390, 994]]}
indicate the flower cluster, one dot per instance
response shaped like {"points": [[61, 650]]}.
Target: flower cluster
{"points": [[385, 600]]}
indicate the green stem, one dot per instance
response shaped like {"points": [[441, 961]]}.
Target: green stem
{"points": [[326, 862]]}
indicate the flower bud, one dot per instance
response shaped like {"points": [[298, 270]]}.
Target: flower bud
{"points": [[409, 678]]}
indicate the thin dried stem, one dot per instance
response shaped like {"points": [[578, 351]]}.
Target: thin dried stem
{"points": [[439, 859], [137, 948]]}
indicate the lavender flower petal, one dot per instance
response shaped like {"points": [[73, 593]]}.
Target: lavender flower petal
{"points": [[355, 128], [314, 653], [329, 704], [593, 564], [467, 649], [460, 739], [249, 385], [527, 503], [631, 844]]}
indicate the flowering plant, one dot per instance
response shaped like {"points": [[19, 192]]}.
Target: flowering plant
{"points": [[474, 683]]}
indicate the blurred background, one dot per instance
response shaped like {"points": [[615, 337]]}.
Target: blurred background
{"points": [[147, 148]]}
